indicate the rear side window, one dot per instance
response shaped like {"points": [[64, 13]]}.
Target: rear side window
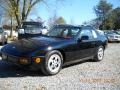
{"points": [[86, 32], [101, 33], [94, 34], [74, 31]]}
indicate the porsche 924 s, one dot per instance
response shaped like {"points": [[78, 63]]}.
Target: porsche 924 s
{"points": [[62, 45]]}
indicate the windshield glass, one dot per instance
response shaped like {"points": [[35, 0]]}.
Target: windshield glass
{"points": [[33, 30], [118, 32], [63, 32], [111, 32]]}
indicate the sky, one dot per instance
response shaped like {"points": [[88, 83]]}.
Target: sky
{"points": [[73, 11]]}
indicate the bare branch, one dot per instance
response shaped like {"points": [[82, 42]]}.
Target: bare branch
{"points": [[19, 9]]}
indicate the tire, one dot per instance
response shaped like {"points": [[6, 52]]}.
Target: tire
{"points": [[53, 63], [99, 54]]}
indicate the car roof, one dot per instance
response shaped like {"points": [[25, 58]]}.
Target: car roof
{"points": [[73, 26], [87, 27], [65, 25], [32, 23]]}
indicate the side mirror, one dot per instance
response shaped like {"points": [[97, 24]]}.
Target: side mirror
{"points": [[21, 31], [83, 38]]}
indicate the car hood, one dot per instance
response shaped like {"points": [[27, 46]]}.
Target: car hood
{"points": [[25, 46]]}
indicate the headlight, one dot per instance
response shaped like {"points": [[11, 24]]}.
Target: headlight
{"points": [[24, 61]]}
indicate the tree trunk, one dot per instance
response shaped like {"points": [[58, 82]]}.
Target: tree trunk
{"points": [[11, 31]]}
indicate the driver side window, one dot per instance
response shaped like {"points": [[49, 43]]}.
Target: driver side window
{"points": [[86, 32]]}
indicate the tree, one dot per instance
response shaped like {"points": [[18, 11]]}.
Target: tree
{"points": [[51, 20], [109, 25], [60, 20], [56, 20], [94, 23], [102, 10], [19, 9], [0, 18], [116, 17], [113, 19]]}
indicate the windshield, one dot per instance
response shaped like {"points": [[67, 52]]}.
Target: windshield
{"points": [[111, 32], [63, 32], [118, 32], [33, 30]]}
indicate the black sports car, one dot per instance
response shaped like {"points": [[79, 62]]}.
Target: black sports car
{"points": [[63, 45]]}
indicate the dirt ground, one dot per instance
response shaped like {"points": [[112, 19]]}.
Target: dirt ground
{"points": [[103, 75]]}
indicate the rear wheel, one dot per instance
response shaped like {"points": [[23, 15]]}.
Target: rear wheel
{"points": [[100, 54], [53, 63]]}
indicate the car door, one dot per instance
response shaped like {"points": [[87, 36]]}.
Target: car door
{"points": [[85, 48]]}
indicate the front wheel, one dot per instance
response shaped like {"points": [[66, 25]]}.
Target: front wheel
{"points": [[53, 63], [100, 54]]}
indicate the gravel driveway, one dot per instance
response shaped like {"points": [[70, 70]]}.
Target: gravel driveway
{"points": [[104, 75]]}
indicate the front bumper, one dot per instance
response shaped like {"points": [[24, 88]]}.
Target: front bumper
{"points": [[30, 65]]}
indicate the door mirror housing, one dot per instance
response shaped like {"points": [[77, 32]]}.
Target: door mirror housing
{"points": [[83, 38], [21, 31]]}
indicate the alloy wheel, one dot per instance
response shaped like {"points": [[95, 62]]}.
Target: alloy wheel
{"points": [[100, 53], [54, 63]]}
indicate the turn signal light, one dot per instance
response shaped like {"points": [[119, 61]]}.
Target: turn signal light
{"points": [[23, 61], [37, 60]]}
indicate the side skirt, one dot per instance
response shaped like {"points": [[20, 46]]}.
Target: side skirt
{"points": [[78, 60]]}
